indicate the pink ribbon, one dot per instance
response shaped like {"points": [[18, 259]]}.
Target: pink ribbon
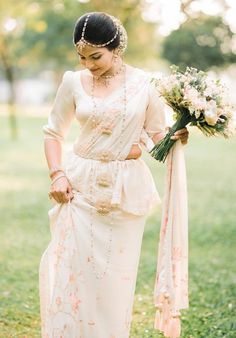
{"points": [[171, 284]]}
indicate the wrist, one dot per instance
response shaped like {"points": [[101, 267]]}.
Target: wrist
{"points": [[57, 177], [53, 171]]}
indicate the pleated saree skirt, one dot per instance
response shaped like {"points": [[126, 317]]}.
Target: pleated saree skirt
{"points": [[88, 272]]}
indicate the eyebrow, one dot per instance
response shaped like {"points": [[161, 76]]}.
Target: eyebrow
{"points": [[91, 54]]}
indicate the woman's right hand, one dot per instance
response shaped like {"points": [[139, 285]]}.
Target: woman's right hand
{"points": [[135, 152], [61, 190]]}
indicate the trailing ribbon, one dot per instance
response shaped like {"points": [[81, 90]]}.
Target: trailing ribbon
{"points": [[171, 284]]}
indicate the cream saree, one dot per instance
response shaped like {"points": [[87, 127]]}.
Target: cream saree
{"points": [[88, 272]]}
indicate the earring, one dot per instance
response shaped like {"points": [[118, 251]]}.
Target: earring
{"points": [[115, 57]]}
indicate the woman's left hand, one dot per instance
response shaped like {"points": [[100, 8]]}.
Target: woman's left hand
{"points": [[181, 135]]}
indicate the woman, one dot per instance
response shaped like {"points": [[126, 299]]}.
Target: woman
{"points": [[103, 191]]}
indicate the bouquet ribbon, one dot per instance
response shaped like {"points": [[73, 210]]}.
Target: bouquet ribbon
{"points": [[171, 284]]}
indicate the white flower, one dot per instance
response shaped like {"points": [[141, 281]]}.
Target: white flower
{"points": [[190, 94], [210, 117], [201, 104]]}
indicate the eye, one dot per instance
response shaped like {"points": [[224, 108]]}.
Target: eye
{"points": [[96, 57], [82, 57]]}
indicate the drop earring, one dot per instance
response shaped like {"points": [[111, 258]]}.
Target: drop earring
{"points": [[115, 58]]}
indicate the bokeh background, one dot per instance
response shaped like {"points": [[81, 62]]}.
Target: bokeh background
{"points": [[35, 50]]}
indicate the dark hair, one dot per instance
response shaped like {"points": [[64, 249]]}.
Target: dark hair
{"points": [[100, 29]]}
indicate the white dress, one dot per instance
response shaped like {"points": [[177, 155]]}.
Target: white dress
{"points": [[88, 271]]}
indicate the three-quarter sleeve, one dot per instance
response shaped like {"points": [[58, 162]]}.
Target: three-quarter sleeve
{"points": [[155, 119], [63, 110]]}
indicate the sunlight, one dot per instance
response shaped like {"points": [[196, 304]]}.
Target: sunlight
{"points": [[10, 24], [169, 16]]}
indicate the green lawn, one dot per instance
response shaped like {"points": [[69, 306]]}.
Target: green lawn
{"points": [[211, 169]]}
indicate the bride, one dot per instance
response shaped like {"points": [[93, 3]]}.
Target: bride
{"points": [[102, 191]]}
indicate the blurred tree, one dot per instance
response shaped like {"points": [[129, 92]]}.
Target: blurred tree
{"points": [[56, 19], [190, 10], [37, 35], [11, 29], [203, 43]]}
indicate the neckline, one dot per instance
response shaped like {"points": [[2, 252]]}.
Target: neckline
{"points": [[117, 90]]}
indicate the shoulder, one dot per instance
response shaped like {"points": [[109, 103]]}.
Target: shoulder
{"points": [[148, 77], [68, 76], [68, 79], [137, 72], [138, 77]]}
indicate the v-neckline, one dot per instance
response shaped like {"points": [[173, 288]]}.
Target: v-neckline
{"points": [[117, 90]]}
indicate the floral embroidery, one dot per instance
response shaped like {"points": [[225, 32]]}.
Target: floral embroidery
{"points": [[125, 278], [59, 250], [91, 322], [58, 301], [107, 129], [177, 253], [105, 156], [75, 305], [95, 121], [72, 278], [104, 180], [103, 207]]}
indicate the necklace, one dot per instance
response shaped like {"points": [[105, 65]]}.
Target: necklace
{"points": [[103, 206], [106, 79], [107, 126]]}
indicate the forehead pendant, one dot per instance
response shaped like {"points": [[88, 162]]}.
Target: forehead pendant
{"points": [[83, 42]]}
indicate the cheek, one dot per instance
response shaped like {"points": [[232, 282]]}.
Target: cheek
{"points": [[107, 60]]}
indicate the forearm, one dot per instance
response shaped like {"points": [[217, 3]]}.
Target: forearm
{"points": [[53, 153], [158, 137]]}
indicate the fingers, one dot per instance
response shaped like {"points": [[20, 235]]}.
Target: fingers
{"points": [[181, 135], [181, 131], [70, 194], [61, 190], [135, 152], [61, 196]]}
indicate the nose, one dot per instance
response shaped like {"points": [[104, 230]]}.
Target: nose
{"points": [[89, 64]]}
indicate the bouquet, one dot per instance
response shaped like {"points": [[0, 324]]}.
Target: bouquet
{"points": [[197, 100]]}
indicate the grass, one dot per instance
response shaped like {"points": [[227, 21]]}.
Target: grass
{"points": [[211, 167]]}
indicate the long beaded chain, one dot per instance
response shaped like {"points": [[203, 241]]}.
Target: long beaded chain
{"points": [[104, 209]]}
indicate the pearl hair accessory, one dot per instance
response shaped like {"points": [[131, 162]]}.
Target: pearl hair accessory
{"points": [[119, 30]]}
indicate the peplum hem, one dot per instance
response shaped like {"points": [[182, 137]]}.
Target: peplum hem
{"points": [[123, 181]]}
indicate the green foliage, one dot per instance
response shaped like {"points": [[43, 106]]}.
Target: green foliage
{"points": [[202, 43], [49, 34], [211, 167]]}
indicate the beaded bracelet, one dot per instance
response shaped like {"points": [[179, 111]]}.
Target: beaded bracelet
{"points": [[57, 178]]}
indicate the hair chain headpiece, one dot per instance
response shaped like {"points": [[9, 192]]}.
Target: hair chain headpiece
{"points": [[119, 30]]}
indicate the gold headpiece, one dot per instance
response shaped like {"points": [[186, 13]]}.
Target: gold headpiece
{"points": [[119, 30]]}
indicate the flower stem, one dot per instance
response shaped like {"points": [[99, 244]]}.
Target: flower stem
{"points": [[162, 148]]}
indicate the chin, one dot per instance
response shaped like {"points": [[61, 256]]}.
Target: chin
{"points": [[96, 71], [104, 71]]}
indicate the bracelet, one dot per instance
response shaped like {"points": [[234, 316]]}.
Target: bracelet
{"points": [[55, 169], [54, 172], [57, 178]]}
